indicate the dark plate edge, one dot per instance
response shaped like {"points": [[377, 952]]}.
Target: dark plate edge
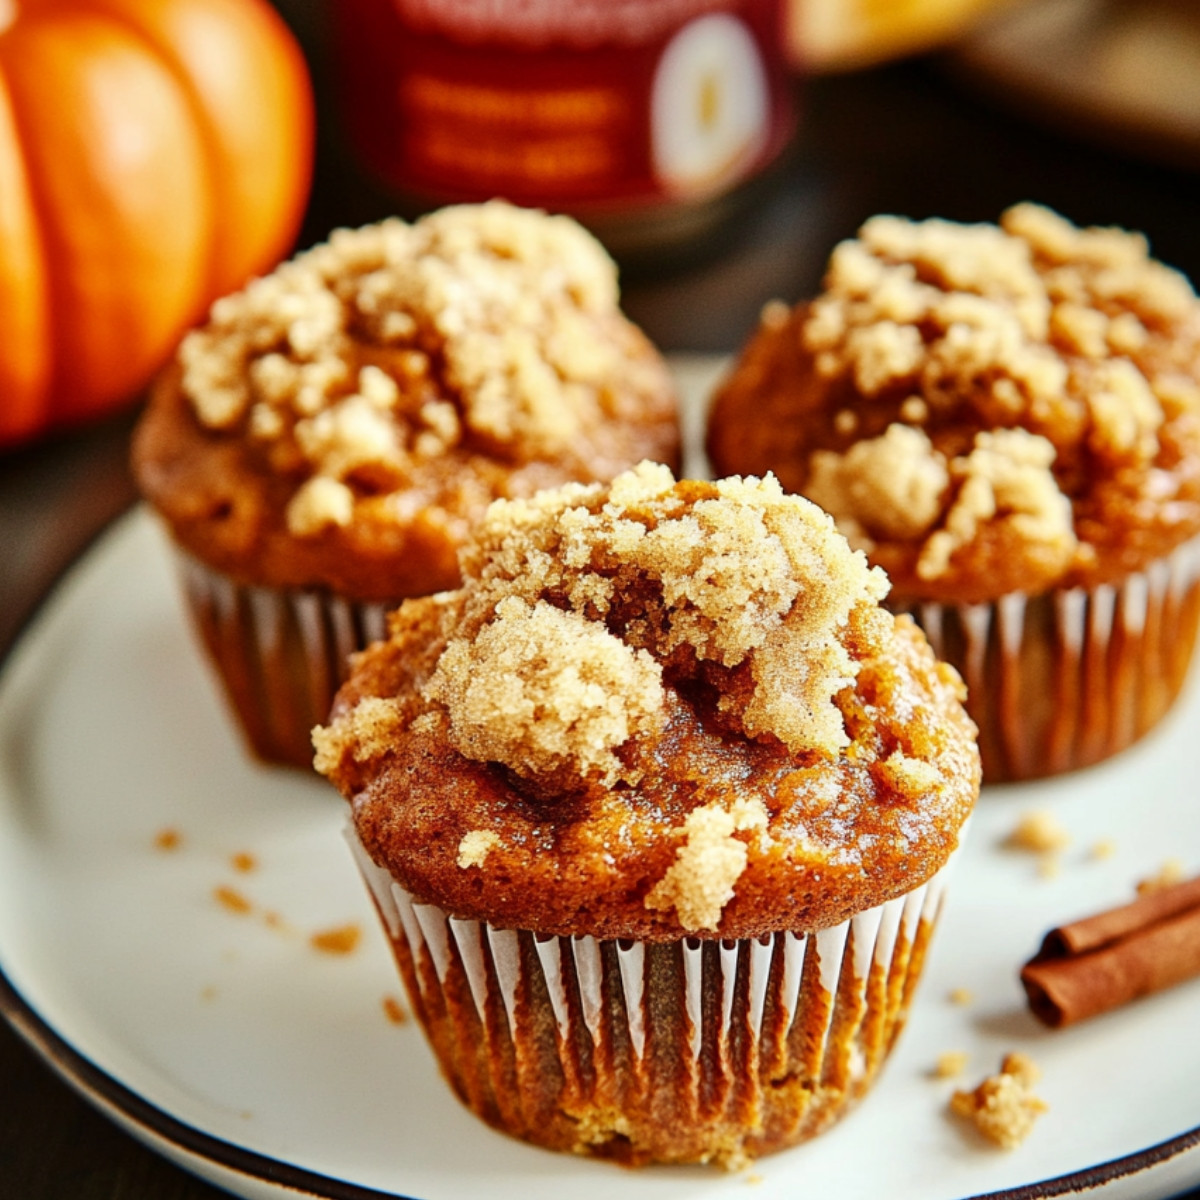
{"points": [[108, 1095]]}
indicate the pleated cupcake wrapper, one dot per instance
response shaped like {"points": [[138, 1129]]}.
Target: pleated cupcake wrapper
{"points": [[280, 653], [824, 1007], [1066, 679]]}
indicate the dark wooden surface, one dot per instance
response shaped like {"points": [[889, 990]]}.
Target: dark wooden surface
{"points": [[909, 138]]}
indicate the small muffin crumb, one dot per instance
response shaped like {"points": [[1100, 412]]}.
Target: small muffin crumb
{"points": [[961, 996], [1003, 1107], [1169, 874], [1104, 848], [168, 839], [343, 939], [244, 862], [474, 847], [700, 882], [232, 900], [394, 1011], [950, 1064], [1039, 832], [1049, 866]]}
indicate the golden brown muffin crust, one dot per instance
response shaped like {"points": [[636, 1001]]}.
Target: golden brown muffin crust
{"points": [[983, 409], [345, 420], [652, 710]]}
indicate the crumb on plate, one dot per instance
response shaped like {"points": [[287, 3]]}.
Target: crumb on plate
{"points": [[168, 839], [343, 939], [950, 1064], [1003, 1108], [232, 900], [1169, 874], [1038, 832]]}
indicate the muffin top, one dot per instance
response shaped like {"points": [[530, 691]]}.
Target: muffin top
{"points": [[655, 709], [982, 409], [346, 419]]}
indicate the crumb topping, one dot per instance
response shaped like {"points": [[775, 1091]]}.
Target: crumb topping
{"points": [[394, 343], [367, 730], [737, 574], [700, 882], [1003, 1107], [1006, 479], [893, 484], [475, 846], [656, 687], [979, 381], [539, 688]]}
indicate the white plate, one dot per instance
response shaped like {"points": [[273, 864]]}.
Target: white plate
{"points": [[231, 1045]]}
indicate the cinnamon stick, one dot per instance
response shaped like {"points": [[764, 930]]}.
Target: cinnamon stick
{"points": [[1101, 962]]}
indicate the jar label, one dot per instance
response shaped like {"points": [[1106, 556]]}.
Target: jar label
{"points": [[578, 104]]}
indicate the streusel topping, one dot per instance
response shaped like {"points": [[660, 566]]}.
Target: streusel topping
{"points": [[618, 660], [985, 392], [390, 345]]}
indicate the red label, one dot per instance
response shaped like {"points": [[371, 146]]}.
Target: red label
{"points": [[590, 104]]}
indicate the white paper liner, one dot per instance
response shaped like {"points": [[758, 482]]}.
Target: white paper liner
{"points": [[763, 995], [280, 653], [1064, 680]]}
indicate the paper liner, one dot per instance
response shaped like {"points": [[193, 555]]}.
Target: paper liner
{"points": [[279, 653], [692, 1050], [1071, 677]]}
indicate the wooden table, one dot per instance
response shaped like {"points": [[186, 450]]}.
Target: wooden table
{"points": [[907, 138]]}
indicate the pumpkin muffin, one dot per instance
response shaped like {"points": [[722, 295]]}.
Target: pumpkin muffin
{"points": [[321, 447], [656, 810], [1007, 420]]}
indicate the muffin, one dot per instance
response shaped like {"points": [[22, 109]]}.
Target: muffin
{"points": [[656, 810], [321, 448], [1007, 420]]}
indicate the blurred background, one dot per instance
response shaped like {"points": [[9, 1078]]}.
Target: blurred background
{"points": [[824, 113]]}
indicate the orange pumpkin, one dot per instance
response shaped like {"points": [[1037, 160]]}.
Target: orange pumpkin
{"points": [[154, 154]]}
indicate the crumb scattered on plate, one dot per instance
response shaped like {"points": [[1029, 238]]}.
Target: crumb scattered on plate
{"points": [[1049, 866], [243, 861], [168, 839], [961, 996], [394, 1010], [342, 940], [232, 900], [1104, 848], [950, 1064], [1003, 1107], [1169, 874], [1039, 832]]}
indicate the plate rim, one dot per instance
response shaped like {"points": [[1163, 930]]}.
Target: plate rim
{"points": [[187, 1145], [156, 1126]]}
